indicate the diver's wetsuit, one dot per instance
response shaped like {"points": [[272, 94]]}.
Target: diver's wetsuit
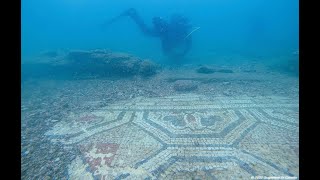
{"points": [[172, 34]]}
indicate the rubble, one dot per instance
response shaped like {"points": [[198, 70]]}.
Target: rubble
{"points": [[185, 85]]}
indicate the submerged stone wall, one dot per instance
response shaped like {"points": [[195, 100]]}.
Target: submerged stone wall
{"points": [[96, 63]]}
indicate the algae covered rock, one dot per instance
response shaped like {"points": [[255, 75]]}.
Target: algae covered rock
{"points": [[98, 63], [115, 62], [288, 64], [148, 68], [207, 70]]}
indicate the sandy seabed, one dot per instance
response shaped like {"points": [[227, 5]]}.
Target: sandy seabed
{"points": [[178, 124]]}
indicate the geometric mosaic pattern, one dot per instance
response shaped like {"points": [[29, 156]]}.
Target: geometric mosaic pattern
{"points": [[187, 136]]}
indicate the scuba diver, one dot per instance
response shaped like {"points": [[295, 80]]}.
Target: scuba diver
{"points": [[175, 35]]}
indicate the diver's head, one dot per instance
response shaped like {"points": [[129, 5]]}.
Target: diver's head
{"points": [[159, 23]]}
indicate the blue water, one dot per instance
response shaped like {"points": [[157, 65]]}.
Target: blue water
{"points": [[237, 29]]}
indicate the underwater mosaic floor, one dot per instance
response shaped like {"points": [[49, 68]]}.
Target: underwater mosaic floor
{"points": [[187, 136]]}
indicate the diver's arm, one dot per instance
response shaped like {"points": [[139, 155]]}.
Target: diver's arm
{"points": [[138, 20]]}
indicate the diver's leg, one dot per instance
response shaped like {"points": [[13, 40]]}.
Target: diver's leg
{"points": [[169, 46], [139, 21], [129, 12], [166, 48], [188, 42]]}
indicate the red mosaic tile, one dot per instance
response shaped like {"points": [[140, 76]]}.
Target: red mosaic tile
{"points": [[103, 155], [105, 148], [94, 163]]}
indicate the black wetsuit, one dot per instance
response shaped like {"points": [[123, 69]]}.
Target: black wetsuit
{"points": [[172, 34]]}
